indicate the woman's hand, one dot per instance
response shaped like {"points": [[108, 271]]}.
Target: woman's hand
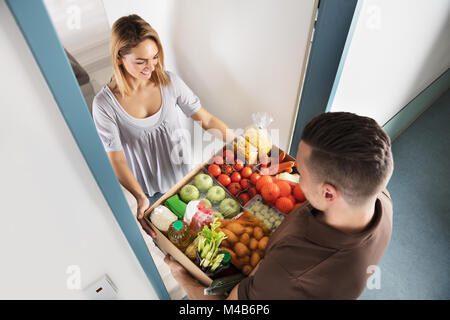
{"points": [[143, 204]]}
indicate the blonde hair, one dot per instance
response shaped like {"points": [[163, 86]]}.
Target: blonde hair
{"points": [[127, 33]]}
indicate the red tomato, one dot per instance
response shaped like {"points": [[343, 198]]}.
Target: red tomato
{"points": [[252, 192], [236, 177], [254, 177], [224, 179], [234, 188], [239, 165], [244, 183], [214, 170], [227, 169], [218, 160], [243, 198], [228, 156], [246, 172]]}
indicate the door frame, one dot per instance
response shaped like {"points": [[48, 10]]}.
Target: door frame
{"points": [[37, 28], [333, 33]]}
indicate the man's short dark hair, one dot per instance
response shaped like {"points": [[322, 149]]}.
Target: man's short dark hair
{"points": [[350, 152]]}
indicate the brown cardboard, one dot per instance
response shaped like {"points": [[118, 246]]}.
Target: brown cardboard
{"points": [[166, 246]]}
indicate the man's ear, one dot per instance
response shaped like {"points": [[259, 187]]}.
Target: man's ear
{"points": [[329, 192]]}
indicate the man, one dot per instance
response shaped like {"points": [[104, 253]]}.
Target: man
{"points": [[325, 248]]}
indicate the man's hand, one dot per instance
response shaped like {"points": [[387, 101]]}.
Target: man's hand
{"points": [[177, 270], [143, 204], [193, 288]]}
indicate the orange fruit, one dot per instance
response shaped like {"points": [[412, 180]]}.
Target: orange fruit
{"points": [[285, 188], [262, 181], [284, 204], [298, 194], [270, 191], [294, 201]]}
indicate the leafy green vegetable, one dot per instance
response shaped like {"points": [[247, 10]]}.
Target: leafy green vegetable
{"points": [[208, 245]]}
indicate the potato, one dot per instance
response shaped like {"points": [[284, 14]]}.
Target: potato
{"points": [[236, 228], [249, 230], [263, 243], [258, 233], [244, 260], [241, 249], [234, 260], [247, 269], [231, 237], [225, 244], [253, 244], [245, 239], [255, 258], [224, 222]]}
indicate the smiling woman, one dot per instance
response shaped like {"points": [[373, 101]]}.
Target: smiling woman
{"points": [[136, 53], [136, 115]]}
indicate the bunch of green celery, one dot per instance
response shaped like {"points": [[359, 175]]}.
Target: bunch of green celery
{"points": [[208, 245]]}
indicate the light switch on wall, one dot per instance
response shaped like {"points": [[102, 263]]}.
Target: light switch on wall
{"points": [[102, 289]]}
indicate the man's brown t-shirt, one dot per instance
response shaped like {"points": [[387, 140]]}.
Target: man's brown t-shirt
{"points": [[308, 259]]}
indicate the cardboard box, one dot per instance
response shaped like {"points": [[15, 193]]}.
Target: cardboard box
{"points": [[164, 244]]}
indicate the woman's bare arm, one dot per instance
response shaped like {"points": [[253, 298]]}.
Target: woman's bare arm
{"points": [[128, 180], [124, 174], [209, 121]]}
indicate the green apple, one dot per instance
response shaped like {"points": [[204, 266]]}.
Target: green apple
{"points": [[189, 192], [206, 202], [203, 182], [218, 215], [229, 208], [216, 194]]}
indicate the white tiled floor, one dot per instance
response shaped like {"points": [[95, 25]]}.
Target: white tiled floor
{"points": [[175, 291]]}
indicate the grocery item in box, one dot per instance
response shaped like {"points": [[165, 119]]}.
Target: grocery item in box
{"points": [[180, 234], [258, 135], [246, 241], [162, 218], [208, 256], [198, 215], [246, 150], [260, 139], [214, 197], [270, 216], [177, 206]]}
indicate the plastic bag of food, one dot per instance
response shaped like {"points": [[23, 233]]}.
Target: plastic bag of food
{"points": [[255, 142], [198, 215], [162, 218]]}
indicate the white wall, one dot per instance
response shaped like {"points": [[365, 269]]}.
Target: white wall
{"points": [[83, 29], [398, 49], [53, 213], [239, 57]]}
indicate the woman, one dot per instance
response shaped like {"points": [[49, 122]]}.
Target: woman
{"points": [[136, 114]]}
